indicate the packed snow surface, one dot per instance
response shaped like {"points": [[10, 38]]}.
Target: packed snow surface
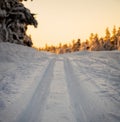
{"points": [[44, 87]]}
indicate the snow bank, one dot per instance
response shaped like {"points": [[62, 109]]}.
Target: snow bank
{"points": [[20, 67]]}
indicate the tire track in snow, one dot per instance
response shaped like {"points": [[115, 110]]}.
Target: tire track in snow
{"points": [[34, 109], [87, 106]]}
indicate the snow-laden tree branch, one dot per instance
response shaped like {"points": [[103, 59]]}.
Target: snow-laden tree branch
{"points": [[14, 19]]}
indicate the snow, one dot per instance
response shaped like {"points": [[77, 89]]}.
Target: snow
{"points": [[44, 87]]}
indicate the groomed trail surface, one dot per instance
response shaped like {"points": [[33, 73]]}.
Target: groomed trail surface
{"points": [[77, 87]]}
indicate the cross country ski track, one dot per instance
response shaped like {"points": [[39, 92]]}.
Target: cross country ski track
{"points": [[72, 88], [61, 96], [33, 111]]}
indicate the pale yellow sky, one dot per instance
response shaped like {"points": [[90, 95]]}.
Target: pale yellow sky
{"points": [[65, 20]]}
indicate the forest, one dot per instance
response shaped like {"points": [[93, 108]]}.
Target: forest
{"points": [[15, 18], [110, 42]]}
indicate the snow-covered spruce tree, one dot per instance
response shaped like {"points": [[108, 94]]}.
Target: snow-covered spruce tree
{"points": [[14, 19]]}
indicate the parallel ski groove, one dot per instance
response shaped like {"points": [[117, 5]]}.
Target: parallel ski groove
{"points": [[78, 110], [83, 103], [33, 111]]}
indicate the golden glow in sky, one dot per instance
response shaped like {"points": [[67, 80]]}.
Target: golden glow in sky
{"points": [[65, 20]]}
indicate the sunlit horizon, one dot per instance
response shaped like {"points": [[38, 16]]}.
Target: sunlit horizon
{"points": [[62, 21]]}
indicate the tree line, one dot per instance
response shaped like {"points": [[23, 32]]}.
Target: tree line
{"points": [[110, 42], [15, 18]]}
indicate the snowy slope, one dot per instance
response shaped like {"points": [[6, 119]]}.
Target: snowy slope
{"points": [[20, 70], [43, 87]]}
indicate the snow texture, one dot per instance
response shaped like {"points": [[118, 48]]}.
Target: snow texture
{"points": [[44, 87]]}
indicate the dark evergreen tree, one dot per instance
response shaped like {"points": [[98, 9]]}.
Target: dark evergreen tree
{"points": [[14, 19]]}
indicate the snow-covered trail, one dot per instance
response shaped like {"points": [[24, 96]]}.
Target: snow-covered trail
{"points": [[50, 101], [93, 85], [42, 87], [87, 104], [63, 96], [33, 110]]}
